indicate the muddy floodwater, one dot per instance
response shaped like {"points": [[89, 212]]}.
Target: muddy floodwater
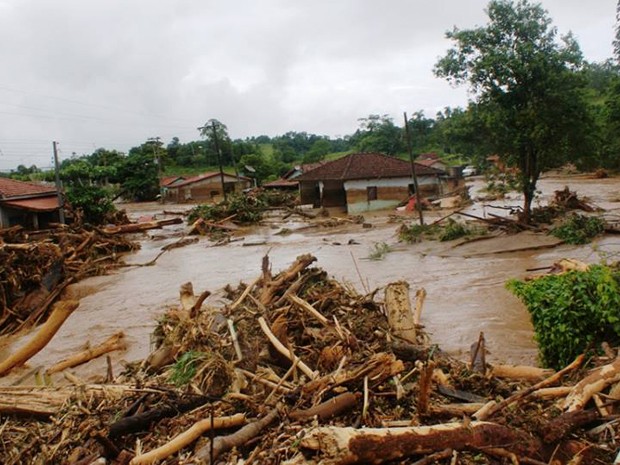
{"points": [[465, 285]]}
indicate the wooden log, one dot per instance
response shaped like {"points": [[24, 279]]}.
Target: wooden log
{"points": [[114, 342], [223, 444], [142, 421], [519, 396], [139, 227], [455, 410], [345, 445], [478, 359], [187, 437], [398, 310], [329, 408], [519, 372], [45, 333], [594, 383], [560, 426]]}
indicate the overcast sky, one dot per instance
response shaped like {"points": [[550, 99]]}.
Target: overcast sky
{"points": [[113, 73]]}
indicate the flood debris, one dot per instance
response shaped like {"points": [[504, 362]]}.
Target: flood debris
{"points": [[35, 267], [299, 368]]}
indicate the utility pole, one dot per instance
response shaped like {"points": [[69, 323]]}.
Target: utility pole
{"points": [[418, 204], [61, 204], [156, 142]]}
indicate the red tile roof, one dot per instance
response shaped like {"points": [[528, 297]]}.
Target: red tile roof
{"points": [[11, 188], [203, 176], [40, 204], [365, 166], [167, 180]]}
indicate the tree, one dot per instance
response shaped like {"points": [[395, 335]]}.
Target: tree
{"points": [[617, 40], [526, 85], [317, 151], [378, 134], [139, 173]]}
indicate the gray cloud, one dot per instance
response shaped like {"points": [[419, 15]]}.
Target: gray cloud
{"points": [[113, 73]]}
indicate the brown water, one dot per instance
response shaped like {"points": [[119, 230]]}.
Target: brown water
{"points": [[466, 294]]}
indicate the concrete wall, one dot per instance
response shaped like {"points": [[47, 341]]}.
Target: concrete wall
{"points": [[390, 192], [207, 190]]}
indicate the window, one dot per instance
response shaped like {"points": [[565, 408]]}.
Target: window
{"points": [[371, 193]]}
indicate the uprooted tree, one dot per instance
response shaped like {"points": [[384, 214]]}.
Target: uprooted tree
{"points": [[527, 85]]}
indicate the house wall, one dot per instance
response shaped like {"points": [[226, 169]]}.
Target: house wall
{"points": [[390, 192], [209, 189], [309, 193], [31, 220]]}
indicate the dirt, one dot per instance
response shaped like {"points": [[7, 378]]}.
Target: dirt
{"points": [[465, 284]]}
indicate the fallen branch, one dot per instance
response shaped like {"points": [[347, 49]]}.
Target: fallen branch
{"points": [[114, 342], [222, 444], [398, 310], [139, 227], [187, 437], [329, 408], [592, 384], [46, 332], [283, 350], [488, 412]]}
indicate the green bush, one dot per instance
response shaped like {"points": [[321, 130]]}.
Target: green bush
{"points": [[579, 229], [572, 311], [247, 209], [94, 202], [453, 230]]}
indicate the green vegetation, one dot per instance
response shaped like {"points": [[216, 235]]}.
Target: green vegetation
{"points": [[247, 210], [379, 251], [92, 203], [530, 98], [448, 231], [572, 312], [579, 229], [184, 370]]}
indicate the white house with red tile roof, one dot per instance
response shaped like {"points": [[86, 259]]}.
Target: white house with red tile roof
{"points": [[30, 205], [362, 182], [206, 187]]}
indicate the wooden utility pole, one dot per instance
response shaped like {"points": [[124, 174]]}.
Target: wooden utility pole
{"points": [[219, 159], [61, 203], [156, 142], [418, 203]]}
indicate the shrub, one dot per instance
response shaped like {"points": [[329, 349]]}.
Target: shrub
{"points": [[247, 209], [572, 311], [379, 251], [579, 229], [94, 202]]}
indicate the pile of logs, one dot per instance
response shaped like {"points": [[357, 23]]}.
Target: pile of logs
{"points": [[37, 266], [298, 368]]}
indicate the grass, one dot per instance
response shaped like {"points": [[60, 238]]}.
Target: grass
{"points": [[379, 251]]}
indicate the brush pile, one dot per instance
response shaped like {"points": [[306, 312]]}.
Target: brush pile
{"points": [[35, 267], [298, 368]]}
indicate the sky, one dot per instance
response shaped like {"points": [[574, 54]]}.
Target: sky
{"points": [[114, 73]]}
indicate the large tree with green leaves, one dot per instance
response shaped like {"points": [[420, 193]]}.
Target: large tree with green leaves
{"points": [[525, 82]]}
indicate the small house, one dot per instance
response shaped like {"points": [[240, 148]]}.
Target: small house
{"points": [[206, 187], [362, 182], [30, 205], [289, 181]]}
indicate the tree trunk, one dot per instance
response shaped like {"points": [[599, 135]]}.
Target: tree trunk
{"points": [[344, 445], [398, 309]]}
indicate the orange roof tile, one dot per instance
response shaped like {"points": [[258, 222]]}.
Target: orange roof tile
{"points": [[11, 188], [40, 204]]}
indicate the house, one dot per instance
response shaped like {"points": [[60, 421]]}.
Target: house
{"points": [[289, 181], [432, 160], [33, 206], [206, 187], [367, 181]]}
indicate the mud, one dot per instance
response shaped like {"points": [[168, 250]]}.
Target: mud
{"points": [[466, 289]]}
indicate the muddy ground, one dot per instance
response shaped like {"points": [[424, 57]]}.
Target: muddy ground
{"points": [[465, 284]]}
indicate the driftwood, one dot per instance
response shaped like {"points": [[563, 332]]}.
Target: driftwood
{"points": [[398, 310], [344, 445], [519, 372], [142, 421], [329, 408], [223, 444], [187, 437], [139, 227], [114, 342], [271, 286], [485, 413], [45, 333], [592, 384], [560, 426]]}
